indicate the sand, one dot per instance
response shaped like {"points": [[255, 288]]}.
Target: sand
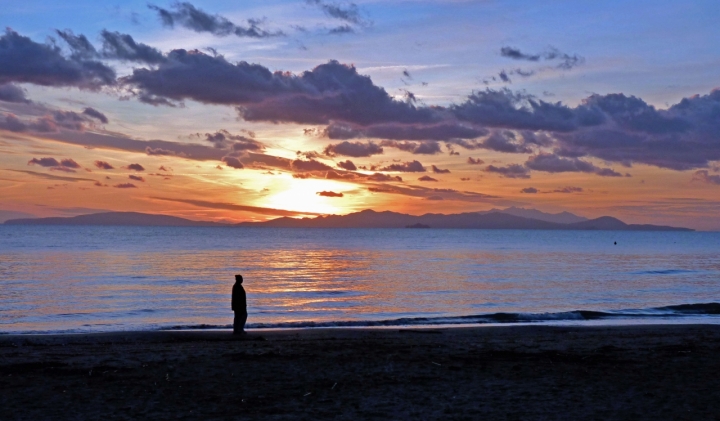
{"points": [[498, 373]]}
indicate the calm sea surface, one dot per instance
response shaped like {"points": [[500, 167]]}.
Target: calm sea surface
{"points": [[78, 279]]}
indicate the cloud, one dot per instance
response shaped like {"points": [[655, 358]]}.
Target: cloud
{"points": [[353, 149], [568, 190], [437, 170], [123, 47], [417, 148], [136, 178], [161, 152], [66, 165], [52, 177], [92, 112], [190, 17], [224, 139], [475, 161], [566, 61], [529, 190], [440, 131], [329, 194], [704, 176], [347, 165], [510, 171], [309, 166], [134, 167], [233, 162], [12, 93], [340, 30], [348, 12], [554, 164], [234, 207], [103, 165], [44, 162], [25, 61], [412, 166], [383, 177], [426, 178], [125, 186], [504, 141]]}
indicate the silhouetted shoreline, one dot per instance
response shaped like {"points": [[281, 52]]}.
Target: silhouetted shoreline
{"points": [[621, 372]]}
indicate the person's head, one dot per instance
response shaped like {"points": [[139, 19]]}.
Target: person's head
{"points": [[238, 279]]}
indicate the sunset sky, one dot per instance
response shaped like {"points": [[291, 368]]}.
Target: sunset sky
{"points": [[241, 111]]}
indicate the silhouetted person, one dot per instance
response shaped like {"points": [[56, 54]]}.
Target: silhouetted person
{"points": [[239, 306]]}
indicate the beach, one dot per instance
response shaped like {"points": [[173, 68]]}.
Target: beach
{"points": [[494, 372]]}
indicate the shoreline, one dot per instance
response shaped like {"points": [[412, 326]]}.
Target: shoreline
{"points": [[497, 372]]}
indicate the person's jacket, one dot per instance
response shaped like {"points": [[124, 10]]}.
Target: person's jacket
{"points": [[239, 300]]}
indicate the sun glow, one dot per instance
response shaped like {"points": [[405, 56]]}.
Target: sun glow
{"points": [[301, 196]]}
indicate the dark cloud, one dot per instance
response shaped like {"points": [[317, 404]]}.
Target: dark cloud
{"points": [[136, 178], [568, 190], [340, 30], [529, 190], [505, 141], [554, 164], [125, 186], [25, 61], [566, 61], [224, 139], [12, 93], [426, 178], [510, 171], [233, 162], [342, 175], [417, 148], [412, 166], [44, 162], [92, 112], [123, 47], [347, 165], [441, 131], [353, 149], [706, 177], [103, 165], [329, 194], [503, 108], [234, 207], [190, 17], [309, 166], [69, 163], [383, 177], [134, 167], [427, 192], [475, 161], [437, 170], [348, 12]]}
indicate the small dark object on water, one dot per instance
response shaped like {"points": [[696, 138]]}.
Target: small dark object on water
{"points": [[418, 225], [616, 243]]}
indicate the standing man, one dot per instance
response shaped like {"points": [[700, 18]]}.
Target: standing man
{"points": [[239, 306]]}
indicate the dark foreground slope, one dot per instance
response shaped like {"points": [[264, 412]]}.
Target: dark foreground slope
{"points": [[494, 373]]}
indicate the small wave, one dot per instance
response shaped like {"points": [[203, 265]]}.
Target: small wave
{"points": [[664, 272], [676, 311]]}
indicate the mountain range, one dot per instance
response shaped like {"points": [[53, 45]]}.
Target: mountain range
{"points": [[511, 218]]}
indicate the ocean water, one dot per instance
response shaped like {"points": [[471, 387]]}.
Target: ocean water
{"points": [[86, 279]]}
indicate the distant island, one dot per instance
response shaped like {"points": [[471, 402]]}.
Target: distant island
{"points": [[495, 219]]}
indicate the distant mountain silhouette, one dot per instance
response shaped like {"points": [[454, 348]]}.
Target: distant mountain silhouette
{"points": [[364, 219], [560, 218], [117, 218]]}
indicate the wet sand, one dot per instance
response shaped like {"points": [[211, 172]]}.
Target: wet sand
{"points": [[499, 373]]}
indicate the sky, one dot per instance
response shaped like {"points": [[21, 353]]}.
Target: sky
{"points": [[246, 111]]}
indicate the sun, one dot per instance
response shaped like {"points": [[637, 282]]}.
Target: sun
{"points": [[300, 195]]}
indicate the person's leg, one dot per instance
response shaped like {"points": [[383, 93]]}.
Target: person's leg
{"points": [[237, 327], [243, 321]]}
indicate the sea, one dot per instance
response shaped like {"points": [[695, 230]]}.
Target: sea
{"points": [[74, 279]]}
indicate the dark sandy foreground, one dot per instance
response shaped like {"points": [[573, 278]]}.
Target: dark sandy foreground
{"points": [[497, 373]]}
